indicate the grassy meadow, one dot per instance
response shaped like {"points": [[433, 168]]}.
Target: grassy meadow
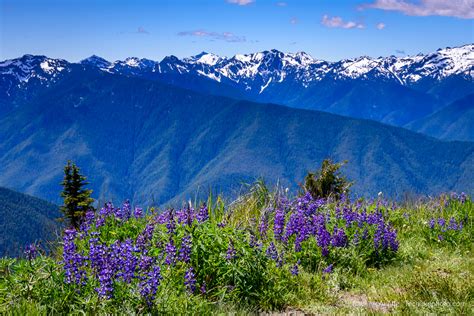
{"points": [[265, 252]]}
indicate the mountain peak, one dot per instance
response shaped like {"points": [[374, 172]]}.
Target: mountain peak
{"points": [[97, 61], [204, 58]]}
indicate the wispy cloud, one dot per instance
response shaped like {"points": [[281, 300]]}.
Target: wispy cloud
{"points": [[141, 30], [380, 26], [463, 9], [223, 36], [281, 4], [240, 2], [400, 52], [338, 22], [294, 21]]}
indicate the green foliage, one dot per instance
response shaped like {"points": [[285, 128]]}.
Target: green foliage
{"points": [[77, 199], [327, 181]]}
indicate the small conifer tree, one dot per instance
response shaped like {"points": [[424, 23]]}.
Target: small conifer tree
{"points": [[327, 181], [77, 199]]}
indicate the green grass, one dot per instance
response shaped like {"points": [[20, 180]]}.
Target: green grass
{"points": [[427, 275]]}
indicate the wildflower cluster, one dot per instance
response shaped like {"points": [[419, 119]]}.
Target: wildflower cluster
{"points": [[447, 224], [121, 248], [92, 254], [310, 231]]}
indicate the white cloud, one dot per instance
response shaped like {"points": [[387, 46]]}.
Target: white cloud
{"points": [[463, 9], [281, 4], [294, 21], [380, 26], [338, 22], [224, 36], [241, 2]]}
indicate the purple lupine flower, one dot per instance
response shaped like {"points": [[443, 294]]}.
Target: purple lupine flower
{"points": [[163, 218], [186, 216], [203, 214], [31, 252], [100, 222], [328, 269], [182, 216], [125, 212], [378, 236], [145, 263], [463, 197], [185, 250], [263, 227], [96, 253], [272, 251], [441, 222], [323, 238], [390, 239], [138, 212], [149, 285], [144, 239], [292, 225], [87, 221], [365, 234], [432, 223], [105, 290], [254, 243], [170, 251], [128, 262], [349, 216], [339, 238], [190, 280], [73, 262], [355, 239], [454, 196], [105, 262], [281, 259], [294, 269], [231, 253], [279, 223], [452, 224], [298, 247], [104, 212], [203, 288], [171, 223], [440, 237]]}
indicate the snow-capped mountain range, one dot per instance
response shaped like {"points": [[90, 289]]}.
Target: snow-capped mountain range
{"points": [[258, 71], [393, 90]]}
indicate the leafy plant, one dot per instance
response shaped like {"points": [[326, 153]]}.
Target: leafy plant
{"points": [[327, 181]]}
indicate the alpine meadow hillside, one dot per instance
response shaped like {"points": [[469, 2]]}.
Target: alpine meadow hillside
{"points": [[155, 143], [25, 220]]}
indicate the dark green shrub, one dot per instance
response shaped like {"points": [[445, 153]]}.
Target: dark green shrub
{"points": [[327, 181]]}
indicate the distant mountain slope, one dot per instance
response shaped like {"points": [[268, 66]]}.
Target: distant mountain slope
{"points": [[25, 219], [393, 90], [455, 121], [143, 140]]}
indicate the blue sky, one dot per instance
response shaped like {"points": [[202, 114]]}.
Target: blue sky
{"points": [[326, 29]]}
